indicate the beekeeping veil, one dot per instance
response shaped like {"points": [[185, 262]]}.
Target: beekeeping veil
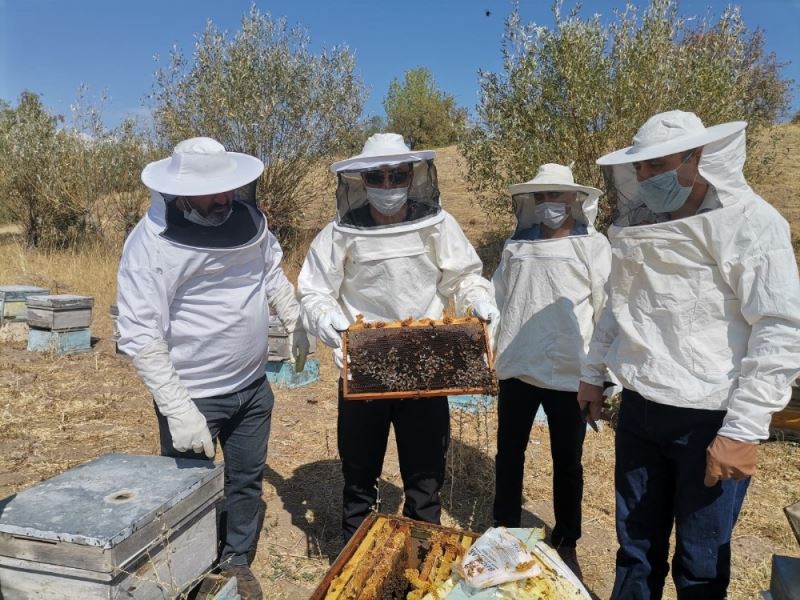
{"points": [[669, 133], [198, 167], [553, 178], [385, 150]]}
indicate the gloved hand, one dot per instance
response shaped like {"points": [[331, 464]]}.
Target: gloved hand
{"points": [[727, 458], [187, 425], [485, 311], [300, 345], [590, 401], [330, 325], [189, 431]]}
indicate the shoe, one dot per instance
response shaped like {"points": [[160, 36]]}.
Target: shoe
{"points": [[570, 558], [248, 585]]}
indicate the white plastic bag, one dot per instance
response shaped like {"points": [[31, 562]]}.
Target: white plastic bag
{"points": [[497, 557]]}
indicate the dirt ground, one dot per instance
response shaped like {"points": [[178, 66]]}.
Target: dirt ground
{"points": [[58, 412]]}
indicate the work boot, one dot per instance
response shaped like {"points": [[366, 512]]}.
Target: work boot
{"points": [[248, 585]]}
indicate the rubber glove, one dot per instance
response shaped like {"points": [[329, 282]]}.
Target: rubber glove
{"points": [[300, 345], [727, 458], [331, 324], [187, 425]]}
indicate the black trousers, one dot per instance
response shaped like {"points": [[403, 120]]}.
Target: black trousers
{"points": [[422, 431], [517, 406]]}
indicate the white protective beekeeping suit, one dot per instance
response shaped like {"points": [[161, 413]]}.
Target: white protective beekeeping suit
{"points": [[193, 300], [703, 311], [550, 291], [409, 269]]}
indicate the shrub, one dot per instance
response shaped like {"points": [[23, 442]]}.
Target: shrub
{"points": [[575, 91], [53, 175], [424, 115], [264, 93]]}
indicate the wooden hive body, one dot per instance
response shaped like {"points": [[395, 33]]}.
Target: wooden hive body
{"points": [[12, 301], [120, 526], [61, 312]]}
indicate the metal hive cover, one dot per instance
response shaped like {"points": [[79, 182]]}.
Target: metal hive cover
{"points": [[417, 358], [60, 301], [102, 502], [19, 292]]}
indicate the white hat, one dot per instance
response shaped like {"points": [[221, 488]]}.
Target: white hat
{"points": [[382, 149], [200, 166], [669, 133], [553, 178]]}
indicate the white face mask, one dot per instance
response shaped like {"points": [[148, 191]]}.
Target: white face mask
{"points": [[387, 201], [551, 214]]}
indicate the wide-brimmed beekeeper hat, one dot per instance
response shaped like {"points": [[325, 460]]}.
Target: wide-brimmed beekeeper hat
{"points": [[382, 149], [669, 133], [200, 166], [552, 178]]}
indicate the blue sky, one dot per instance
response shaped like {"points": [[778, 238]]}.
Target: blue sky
{"points": [[52, 46]]}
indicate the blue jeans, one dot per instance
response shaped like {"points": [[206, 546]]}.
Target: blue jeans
{"points": [[660, 465], [241, 422]]}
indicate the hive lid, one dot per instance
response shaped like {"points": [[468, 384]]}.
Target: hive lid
{"points": [[60, 301], [102, 502], [19, 292]]}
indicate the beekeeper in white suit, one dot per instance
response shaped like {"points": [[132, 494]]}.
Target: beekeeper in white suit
{"points": [[549, 290], [195, 280], [702, 327], [390, 253]]}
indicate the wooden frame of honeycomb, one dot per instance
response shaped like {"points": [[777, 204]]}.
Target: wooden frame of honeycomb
{"points": [[484, 383], [393, 558]]}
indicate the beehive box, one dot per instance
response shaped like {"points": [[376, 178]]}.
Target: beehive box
{"points": [[392, 557], [120, 526], [417, 358], [12, 301], [278, 339], [785, 424], [60, 312]]}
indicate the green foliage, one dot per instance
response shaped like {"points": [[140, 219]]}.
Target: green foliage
{"points": [[264, 93], [424, 115], [53, 178], [573, 92]]}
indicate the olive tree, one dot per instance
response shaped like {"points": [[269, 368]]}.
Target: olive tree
{"points": [[576, 90], [421, 112], [262, 91]]}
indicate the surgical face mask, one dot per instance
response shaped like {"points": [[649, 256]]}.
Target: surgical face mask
{"points": [[663, 193], [387, 201], [552, 214], [211, 220]]}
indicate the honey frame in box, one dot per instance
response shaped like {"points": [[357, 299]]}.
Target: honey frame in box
{"points": [[361, 325], [420, 534]]}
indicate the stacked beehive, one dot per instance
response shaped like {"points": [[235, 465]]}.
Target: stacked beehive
{"points": [[13, 311], [59, 323]]}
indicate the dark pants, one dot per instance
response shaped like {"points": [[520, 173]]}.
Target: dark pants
{"points": [[241, 422], [516, 409], [422, 431], [660, 465]]}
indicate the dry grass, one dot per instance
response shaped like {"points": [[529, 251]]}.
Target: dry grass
{"points": [[57, 412]]}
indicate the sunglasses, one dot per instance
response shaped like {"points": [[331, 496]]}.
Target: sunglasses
{"points": [[396, 177], [553, 195]]}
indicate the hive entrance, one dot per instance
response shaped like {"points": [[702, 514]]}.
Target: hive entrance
{"points": [[417, 358]]}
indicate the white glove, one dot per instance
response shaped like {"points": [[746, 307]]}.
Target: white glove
{"points": [[485, 311], [288, 310], [187, 425], [330, 326]]}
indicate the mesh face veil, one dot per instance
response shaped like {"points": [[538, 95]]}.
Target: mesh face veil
{"points": [[530, 211], [420, 189]]}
